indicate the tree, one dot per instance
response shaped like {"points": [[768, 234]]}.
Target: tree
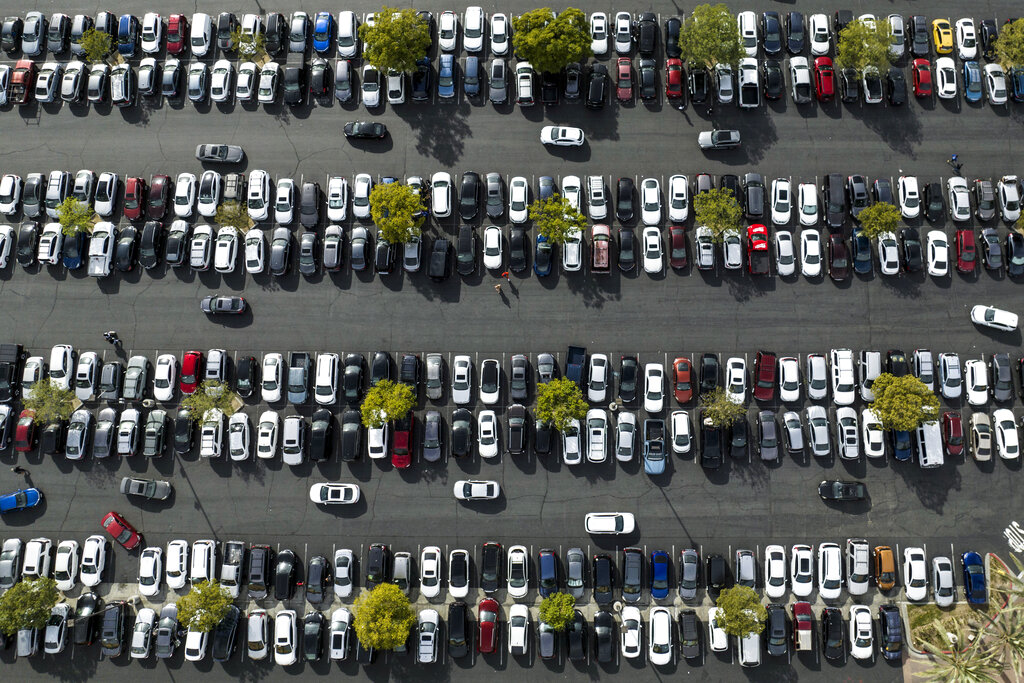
{"points": [[233, 214], [710, 36], [251, 45], [383, 617], [387, 401], [27, 604], [398, 211], [556, 219], [864, 43], [718, 211], [719, 409], [878, 218], [1009, 46], [74, 217], [49, 401], [209, 395], [559, 402], [397, 39], [742, 612], [903, 403], [557, 610], [957, 663], [548, 41], [97, 45], [204, 606]]}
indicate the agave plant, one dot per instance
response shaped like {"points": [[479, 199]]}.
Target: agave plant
{"points": [[954, 663]]}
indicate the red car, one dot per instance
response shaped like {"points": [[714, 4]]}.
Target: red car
{"points": [[401, 445], [191, 370], [624, 81], [953, 433], [838, 258], [677, 246], [758, 253], [674, 78], [487, 626], [177, 33], [159, 197], [134, 198], [682, 379], [966, 253], [764, 376], [25, 433], [123, 532], [824, 79], [23, 82], [922, 78]]}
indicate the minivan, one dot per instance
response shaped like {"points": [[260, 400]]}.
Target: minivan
{"points": [[201, 33], [402, 574], [870, 369], [58, 187], [497, 85], [928, 439], [261, 557]]}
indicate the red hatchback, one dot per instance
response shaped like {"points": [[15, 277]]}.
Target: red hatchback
{"points": [[123, 532], [191, 369], [966, 253], [764, 376], [682, 379], [487, 626], [177, 33], [159, 197], [624, 80], [401, 444], [134, 198], [674, 78], [824, 79], [25, 433], [953, 433], [922, 78]]}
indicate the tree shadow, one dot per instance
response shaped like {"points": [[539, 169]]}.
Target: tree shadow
{"points": [[441, 138]]}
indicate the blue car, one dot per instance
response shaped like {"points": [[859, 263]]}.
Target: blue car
{"points": [[542, 257], [972, 81], [659, 574], [446, 77], [974, 578], [127, 34], [19, 500], [72, 251], [471, 76], [323, 29], [901, 448]]}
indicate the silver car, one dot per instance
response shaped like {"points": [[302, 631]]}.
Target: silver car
{"points": [[817, 431], [135, 378], [432, 436], [78, 434], [575, 570], [435, 376], [359, 248], [106, 431]]}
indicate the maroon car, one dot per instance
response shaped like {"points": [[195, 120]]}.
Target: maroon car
{"points": [[764, 376], [838, 258], [487, 626], [677, 246], [966, 252], [953, 433], [159, 197], [134, 198]]}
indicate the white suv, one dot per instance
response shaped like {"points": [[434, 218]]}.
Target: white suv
{"points": [[857, 566], [843, 383], [326, 388]]}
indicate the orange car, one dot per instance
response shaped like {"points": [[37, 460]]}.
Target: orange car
{"points": [[682, 381], [885, 567]]}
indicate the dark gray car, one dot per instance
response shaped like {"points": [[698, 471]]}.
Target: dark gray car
{"points": [[432, 436], [135, 378], [753, 188], [689, 574], [358, 256], [495, 195], [106, 431], [1001, 380], [689, 634], [152, 489], [767, 435], [307, 253], [985, 195], [776, 632], [280, 246], [227, 154], [309, 205], [519, 378], [575, 570], [435, 376], [167, 632]]}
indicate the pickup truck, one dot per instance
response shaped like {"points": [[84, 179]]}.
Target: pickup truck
{"points": [[600, 251], [22, 81], [299, 364], [231, 568], [576, 364], [654, 439], [11, 357]]}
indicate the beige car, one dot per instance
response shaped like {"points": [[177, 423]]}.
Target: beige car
{"points": [[981, 437]]}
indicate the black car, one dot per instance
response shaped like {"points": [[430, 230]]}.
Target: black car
{"points": [[490, 566], [318, 577], [896, 363], [462, 432], [647, 79], [933, 201], [597, 87], [624, 201], [832, 489], [698, 81], [710, 445], [28, 243], [295, 87], [517, 259], [777, 631], [1014, 254], [849, 85], [860, 247], [771, 33], [86, 625], [991, 250], [458, 629], [672, 27], [543, 258], [628, 370], [284, 575], [276, 33], [919, 38], [987, 34], [896, 85], [366, 130], [604, 637], [10, 33], [910, 240], [716, 572], [225, 635], [312, 636], [689, 634], [708, 372], [603, 569], [833, 645], [647, 33], [183, 431], [320, 434], [576, 634], [739, 438], [150, 248], [795, 33], [835, 200], [1001, 379], [51, 441], [351, 435], [469, 195], [124, 251], [309, 205], [465, 257], [890, 632], [439, 263], [548, 89], [731, 182], [352, 377], [378, 565], [881, 190], [246, 376], [320, 77], [542, 437], [383, 256], [753, 195], [774, 81], [627, 256], [421, 79], [380, 367]]}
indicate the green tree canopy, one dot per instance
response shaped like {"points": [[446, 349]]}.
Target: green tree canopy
{"points": [[550, 42], [96, 45], [717, 407], [717, 210], [233, 214], [27, 604], [878, 218], [862, 44], [710, 36], [387, 401], [398, 211], [557, 610], [397, 39], [250, 45], [49, 401], [560, 401], [383, 617], [209, 395], [903, 403], [1009, 46], [556, 219], [74, 217], [742, 612], [204, 606]]}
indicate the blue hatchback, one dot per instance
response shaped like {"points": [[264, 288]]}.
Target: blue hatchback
{"points": [[659, 574], [127, 35], [972, 81], [446, 77], [19, 500], [974, 578], [323, 29]]}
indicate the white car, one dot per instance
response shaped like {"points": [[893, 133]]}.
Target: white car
{"points": [[623, 33], [65, 566], [789, 379], [976, 382], [830, 571], [164, 375], [847, 437], [337, 198], [430, 571], [55, 635], [909, 196], [631, 632], [348, 34], [654, 260], [247, 82], [736, 379], [945, 78], [654, 387], [286, 638], [966, 39], [819, 35], [501, 31], [597, 435], [995, 84], [492, 248], [441, 194], [490, 381], [94, 560], [50, 243], [718, 641], [774, 571], [266, 434], [943, 588], [897, 38], [650, 201], [36, 563], [682, 436], [572, 190], [150, 570], [1009, 198], [470, 489], [272, 377], [572, 452], [361, 187], [732, 250], [1007, 441], [844, 384], [341, 627], [938, 254], [747, 24], [473, 25], [142, 633], [562, 136], [284, 201], [915, 574], [810, 253], [225, 251], [258, 199], [101, 249], [950, 376], [152, 32], [872, 434], [518, 569], [614, 523], [807, 201], [487, 434], [518, 629], [782, 202], [785, 255], [801, 89], [861, 632], [997, 318], [599, 33], [678, 198], [518, 200], [448, 31], [239, 432], [959, 199], [7, 239], [801, 570], [10, 193], [344, 572], [255, 251], [270, 76], [177, 564], [625, 436], [462, 380], [331, 493], [817, 431], [888, 254], [371, 79], [377, 441], [597, 382], [221, 79], [661, 636], [62, 365]]}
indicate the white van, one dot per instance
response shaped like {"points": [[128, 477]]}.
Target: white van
{"points": [[596, 198], [929, 445], [750, 650], [202, 33], [870, 369]]}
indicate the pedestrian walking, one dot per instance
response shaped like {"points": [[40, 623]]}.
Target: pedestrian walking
{"points": [[505, 275], [18, 469], [953, 158], [709, 111], [497, 287]]}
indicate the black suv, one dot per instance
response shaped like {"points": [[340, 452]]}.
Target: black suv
{"points": [[439, 266], [624, 200], [832, 642], [378, 563], [776, 631], [462, 432], [284, 575], [835, 200], [318, 580], [647, 33], [320, 434], [753, 191], [458, 631], [313, 636], [604, 579], [716, 573], [490, 567], [260, 559], [469, 195], [517, 429]]}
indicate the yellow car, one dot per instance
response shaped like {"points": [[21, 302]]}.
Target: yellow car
{"points": [[942, 34]]}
